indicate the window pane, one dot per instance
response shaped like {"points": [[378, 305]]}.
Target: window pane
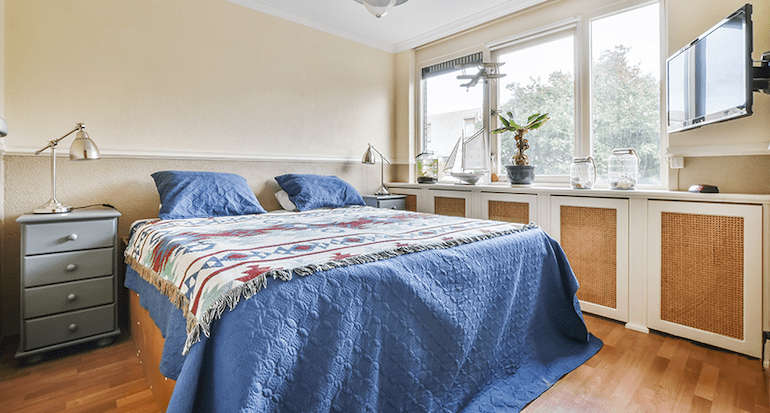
{"points": [[625, 89], [450, 111], [540, 78]]}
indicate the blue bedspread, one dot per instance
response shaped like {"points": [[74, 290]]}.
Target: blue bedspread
{"points": [[480, 327]]}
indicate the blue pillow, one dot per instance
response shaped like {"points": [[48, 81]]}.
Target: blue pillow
{"points": [[318, 191], [186, 194]]}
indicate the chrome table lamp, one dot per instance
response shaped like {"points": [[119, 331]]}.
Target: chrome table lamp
{"points": [[370, 159], [82, 149]]}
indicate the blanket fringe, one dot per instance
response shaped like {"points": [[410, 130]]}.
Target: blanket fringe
{"points": [[251, 287]]}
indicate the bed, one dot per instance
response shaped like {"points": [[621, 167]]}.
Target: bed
{"points": [[356, 309]]}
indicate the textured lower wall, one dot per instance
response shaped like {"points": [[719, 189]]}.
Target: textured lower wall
{"points": [[127, 185]]}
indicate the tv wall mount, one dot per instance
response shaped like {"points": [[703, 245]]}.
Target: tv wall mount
{"points": [[761, 81]]}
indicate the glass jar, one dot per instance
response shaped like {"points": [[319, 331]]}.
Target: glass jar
{"points": [[582, 173], [623, 168], [427, 168]]}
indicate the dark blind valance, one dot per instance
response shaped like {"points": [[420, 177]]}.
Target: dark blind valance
{"points": [[449, 66]]}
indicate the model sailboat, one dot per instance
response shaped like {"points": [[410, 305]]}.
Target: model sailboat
{"points": [[472, 157]]}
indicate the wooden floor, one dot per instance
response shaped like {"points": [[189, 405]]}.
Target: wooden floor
{"points": [[83, 379], [633, 372]]}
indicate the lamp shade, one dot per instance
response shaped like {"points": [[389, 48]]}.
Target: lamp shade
{"points": [[83, 148], [369, 158]]}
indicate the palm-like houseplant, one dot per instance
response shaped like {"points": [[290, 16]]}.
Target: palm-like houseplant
{"points": [[521, 172]]}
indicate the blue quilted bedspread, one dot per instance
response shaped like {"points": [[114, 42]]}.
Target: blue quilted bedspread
{"points": [[480, 327]]}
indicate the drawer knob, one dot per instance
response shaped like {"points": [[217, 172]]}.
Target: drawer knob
{"points": [[72, 267], [73, 327], [72, 297], [72, 237]]}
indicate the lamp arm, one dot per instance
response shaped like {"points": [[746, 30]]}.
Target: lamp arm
{"points": [[378, 152], [53, 143]]}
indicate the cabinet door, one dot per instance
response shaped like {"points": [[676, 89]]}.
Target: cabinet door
{"points": [[705, 273], [517, 208], [594, 234], [412, 201], [452, 203]]}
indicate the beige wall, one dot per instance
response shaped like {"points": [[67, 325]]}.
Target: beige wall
{"points": [[177, 80], [686, 19]]}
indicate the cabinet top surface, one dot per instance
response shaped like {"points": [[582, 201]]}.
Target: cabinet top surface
{"points": [[100, 213], [382, 197], [596, 193]]}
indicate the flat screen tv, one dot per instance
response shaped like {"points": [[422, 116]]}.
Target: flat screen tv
{"points": [[710, 79]]}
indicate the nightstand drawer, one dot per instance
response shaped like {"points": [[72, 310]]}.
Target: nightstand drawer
{"points": [[399, 204], [59, 298], [56, 329], [67, 266], [68, 236]]}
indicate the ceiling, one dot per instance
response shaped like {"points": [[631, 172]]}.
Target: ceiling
{"points": [[409, 25]]}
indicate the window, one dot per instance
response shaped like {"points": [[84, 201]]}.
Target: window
{"points": [[449, 111], [625, 89], [596, 75], [540, 77]]}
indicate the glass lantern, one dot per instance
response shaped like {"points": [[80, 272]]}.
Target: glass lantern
{"points": [[427, 168], [582, 173], [623, 168]]}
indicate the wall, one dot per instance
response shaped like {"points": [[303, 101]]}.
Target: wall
{"points": [[686, 19], [178, 84]]}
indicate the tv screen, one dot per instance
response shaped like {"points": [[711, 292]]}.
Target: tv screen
{"points": [[710, 79]]}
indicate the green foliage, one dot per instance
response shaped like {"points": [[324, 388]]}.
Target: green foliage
{"points": [[552, 145], [625, 113], [626, 109]]}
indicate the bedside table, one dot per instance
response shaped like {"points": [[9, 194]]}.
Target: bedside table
{"points": [[386, 201], [69, 284]]}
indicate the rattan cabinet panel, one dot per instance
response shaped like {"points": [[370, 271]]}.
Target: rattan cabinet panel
{"points": [[594, 235], [706, 273]]}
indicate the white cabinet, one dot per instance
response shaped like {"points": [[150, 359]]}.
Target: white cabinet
{"points": [[594, 234], [413, 198], [519, 208], [452, 203], [692, 265], [705, 273]]}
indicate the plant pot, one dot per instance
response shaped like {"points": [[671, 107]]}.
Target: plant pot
{"points": [[520, 174]]}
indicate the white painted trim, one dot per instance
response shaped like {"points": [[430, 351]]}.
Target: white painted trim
{"points": [[461, 194], [530, 200], [177, 155], [637, 327], [466, 23], [314, 24], [542, 31], [458, 26], [736, 149], [752, 269]]}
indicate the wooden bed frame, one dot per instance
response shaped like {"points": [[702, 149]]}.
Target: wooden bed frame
{"points": [[149, 343]]}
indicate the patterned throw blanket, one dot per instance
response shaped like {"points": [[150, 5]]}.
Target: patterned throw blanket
{"points": [[205, 264]]}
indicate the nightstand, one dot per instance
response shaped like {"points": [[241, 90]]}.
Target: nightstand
{"points": [[386, 201], [69, 284]]}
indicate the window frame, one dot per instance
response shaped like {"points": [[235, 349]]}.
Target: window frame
{"points": [[580, 27], [532, 38]]}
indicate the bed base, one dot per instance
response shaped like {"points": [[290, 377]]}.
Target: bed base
{"points": [[149, 343]]}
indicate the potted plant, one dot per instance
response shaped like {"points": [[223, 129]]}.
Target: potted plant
{"points": [[521, 172]]}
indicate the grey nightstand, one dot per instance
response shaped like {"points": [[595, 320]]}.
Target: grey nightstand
{"points": [[386, 201], [69, 283]]}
